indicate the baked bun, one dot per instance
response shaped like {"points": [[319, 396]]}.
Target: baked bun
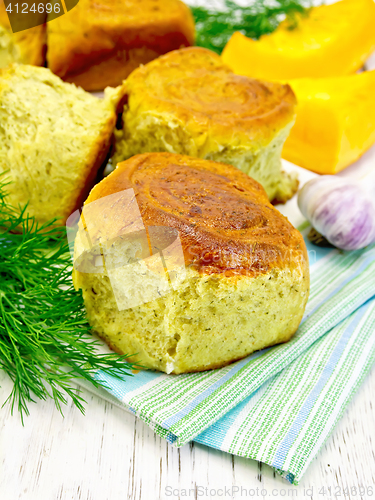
{"points": [[53, 139], [26, 47], [237, 275], [189, 102], [100, 42]]}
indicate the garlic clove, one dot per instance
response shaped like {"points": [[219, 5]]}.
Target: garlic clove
{"points": [[341, 209]]}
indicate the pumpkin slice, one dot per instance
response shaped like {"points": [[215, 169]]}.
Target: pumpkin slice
{"points": [[335, 122], [331, 40]]}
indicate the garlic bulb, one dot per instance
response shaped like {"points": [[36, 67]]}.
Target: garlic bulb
{"points": [[341, 209]]}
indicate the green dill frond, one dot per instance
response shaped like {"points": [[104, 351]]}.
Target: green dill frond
{"points": [[45, 340], [214, 28]]}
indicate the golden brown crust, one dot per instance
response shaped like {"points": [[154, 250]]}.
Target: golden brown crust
{"points": [[95, 162], [100, 42], [111, 72], [224, 219], [96, 159], [31, 43], [197, 88]]}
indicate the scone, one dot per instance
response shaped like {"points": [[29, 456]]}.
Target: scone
{"points": [[26, 47], [189, 102], [99, 43], [53, 139], [185, 262]]}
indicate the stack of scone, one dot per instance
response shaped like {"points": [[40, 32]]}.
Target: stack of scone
{"points": [[180, 256], [188, 264]]}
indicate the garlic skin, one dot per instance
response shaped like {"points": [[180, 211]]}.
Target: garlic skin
{"points": [[341, 209]]}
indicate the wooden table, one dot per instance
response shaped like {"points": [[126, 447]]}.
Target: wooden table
{"points": [[108, 454]]}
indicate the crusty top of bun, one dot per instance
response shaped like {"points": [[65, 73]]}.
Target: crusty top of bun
{"points": [[95, 30], [224, 219], [196, 87]]}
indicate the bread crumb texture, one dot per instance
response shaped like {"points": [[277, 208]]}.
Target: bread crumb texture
{"points": [[53, 138], [188, 102], [208, 322]]}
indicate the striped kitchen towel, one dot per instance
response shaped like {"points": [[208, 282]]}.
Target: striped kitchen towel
{"points": [[277, 405]]}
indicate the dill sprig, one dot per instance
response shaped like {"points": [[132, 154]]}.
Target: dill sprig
{"points": [[45, 340], [215, 27]]}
